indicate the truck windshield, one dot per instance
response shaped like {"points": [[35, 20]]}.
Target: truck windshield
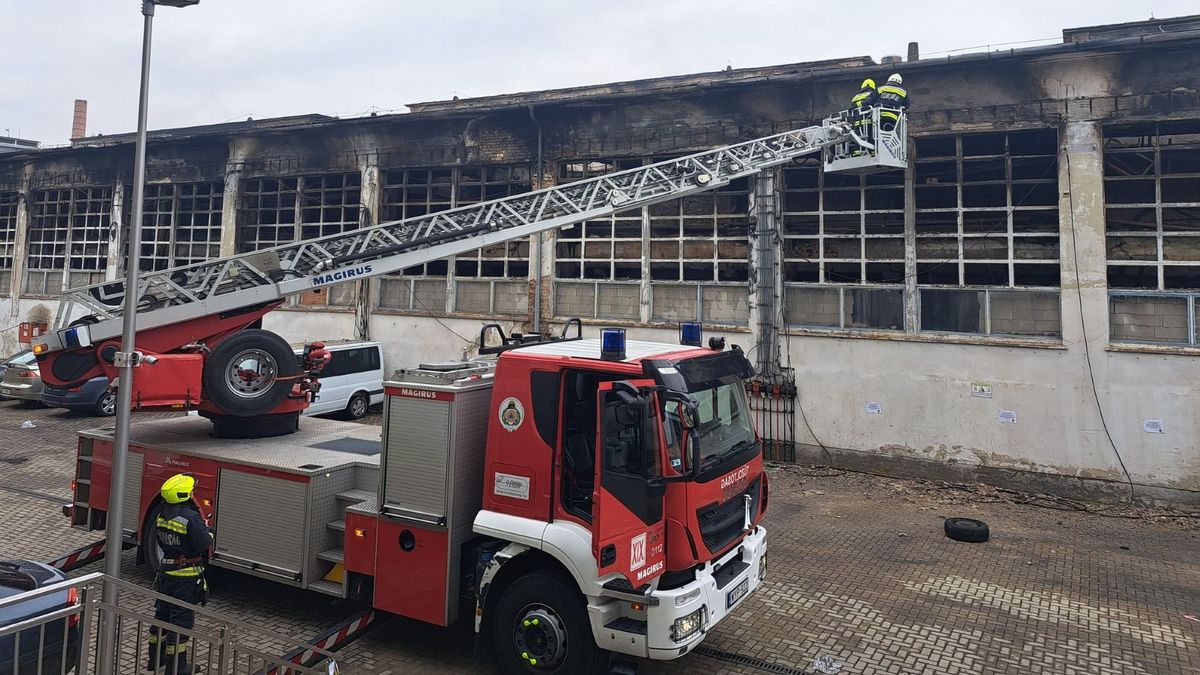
{"points": [[724, 425]]}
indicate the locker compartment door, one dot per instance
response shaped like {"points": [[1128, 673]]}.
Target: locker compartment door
{"points": [[260, 522], [133, 493]]}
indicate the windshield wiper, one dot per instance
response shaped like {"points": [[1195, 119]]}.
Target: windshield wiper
{"points": [[737, 448]]}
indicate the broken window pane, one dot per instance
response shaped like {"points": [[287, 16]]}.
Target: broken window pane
{"points": [[952, 311], [1133, 276], [881, 309], [935, 146]]}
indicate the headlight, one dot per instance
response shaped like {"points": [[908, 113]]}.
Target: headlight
{"points": [[762, 567], [687, 626]]}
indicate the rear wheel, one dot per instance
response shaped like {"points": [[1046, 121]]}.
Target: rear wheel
{"points": [[249, 373], [358, 406], [541, 627]]}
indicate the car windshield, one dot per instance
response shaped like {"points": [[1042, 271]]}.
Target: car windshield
{"points": [[723, 424]]}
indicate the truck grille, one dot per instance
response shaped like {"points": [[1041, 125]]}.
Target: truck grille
{"points": [[722, 523]]}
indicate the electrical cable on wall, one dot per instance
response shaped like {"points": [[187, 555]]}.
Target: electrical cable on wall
{"points": [[1087, 349]]}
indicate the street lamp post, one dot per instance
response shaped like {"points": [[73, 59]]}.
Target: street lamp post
{"points": [[128, 357]]}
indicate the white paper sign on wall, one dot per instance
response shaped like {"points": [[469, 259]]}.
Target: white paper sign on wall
{"points": [[1153, 427], [1007, 416], [873, 408], [981, 390]]}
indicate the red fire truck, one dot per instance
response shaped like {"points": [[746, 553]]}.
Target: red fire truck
{"points": [[585, 496], [579, 495]]}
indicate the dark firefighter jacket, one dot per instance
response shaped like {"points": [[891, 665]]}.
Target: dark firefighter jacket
{"points": [[892, 98], [184, 538]]}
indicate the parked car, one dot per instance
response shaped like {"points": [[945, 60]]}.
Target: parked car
{"points": [[351, 382], [93, 396], [55, 640], [4, 363], [22, 378]]}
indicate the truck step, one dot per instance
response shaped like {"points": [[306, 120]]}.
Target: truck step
{"points": [[327, 587], [355, 496], [333, 555], [339, 525]]}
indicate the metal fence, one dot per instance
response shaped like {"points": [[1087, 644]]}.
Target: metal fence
{"points": [[773, 405], [63, 638]]}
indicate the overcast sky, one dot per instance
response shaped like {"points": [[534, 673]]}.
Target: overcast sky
{"points": [[225, 60]]}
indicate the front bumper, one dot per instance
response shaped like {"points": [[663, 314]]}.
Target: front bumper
{"points": [[710, 591]]}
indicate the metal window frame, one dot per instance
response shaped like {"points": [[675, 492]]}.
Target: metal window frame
{"points": [[397, 180], [843, 324], [987, 309]]}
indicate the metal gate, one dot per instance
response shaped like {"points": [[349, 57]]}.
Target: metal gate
{"points": [[64, 638], [773, 404]]}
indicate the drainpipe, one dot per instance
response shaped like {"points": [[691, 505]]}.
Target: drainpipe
{"points": [[537, 245]]}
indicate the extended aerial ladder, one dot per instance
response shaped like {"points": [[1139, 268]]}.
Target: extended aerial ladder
{"points": [[196, 337]]}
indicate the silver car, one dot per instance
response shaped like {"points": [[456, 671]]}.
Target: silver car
{"points": [[22, 378]]}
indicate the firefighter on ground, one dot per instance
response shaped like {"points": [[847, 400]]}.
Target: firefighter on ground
{"points": [[184, 538], [893, 99], [860, 111]]}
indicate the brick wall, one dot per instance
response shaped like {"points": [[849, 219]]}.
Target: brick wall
{"points": [[512, 297], [726, 305], [674, 303], [1149, 319], [473, 296], [812, 307], [574, 300], [1021, 313], [619, 301]]}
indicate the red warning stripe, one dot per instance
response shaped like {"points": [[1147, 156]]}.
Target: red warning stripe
{"points": [[334, 639], [79, 557]]}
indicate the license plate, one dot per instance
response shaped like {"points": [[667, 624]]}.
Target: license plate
{"points": [[737, 593]]}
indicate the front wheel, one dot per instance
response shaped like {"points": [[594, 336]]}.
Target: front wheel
{"points": [[358, 406], [107, 405], [541, 626]]}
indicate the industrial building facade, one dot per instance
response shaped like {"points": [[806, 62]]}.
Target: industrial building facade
{"points": [[1019, 305]]}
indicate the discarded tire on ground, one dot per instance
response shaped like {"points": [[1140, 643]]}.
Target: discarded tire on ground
{"points": [[966, 529]]}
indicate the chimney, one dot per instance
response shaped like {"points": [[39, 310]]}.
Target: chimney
{"points": [[79, 121], [914, 52]]}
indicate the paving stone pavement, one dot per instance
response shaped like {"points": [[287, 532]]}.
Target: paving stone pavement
{"points": [[860, 571]]}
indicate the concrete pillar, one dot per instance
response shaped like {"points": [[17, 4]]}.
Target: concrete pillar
{"points": [[117, 234], [765, 272], [911, 317], [645, 292], [239, 149], [545, 275], [1081, 235], [16, 284], [370, 200]]}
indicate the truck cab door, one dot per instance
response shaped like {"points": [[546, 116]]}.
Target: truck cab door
{"points": [[627, 518]]}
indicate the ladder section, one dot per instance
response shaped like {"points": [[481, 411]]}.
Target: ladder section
{"points": [[226, 284], [333, 555]]}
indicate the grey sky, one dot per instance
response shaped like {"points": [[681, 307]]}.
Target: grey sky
{"points": [[227, 59]]}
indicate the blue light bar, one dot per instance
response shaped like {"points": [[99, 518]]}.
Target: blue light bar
{"points": [[612, 344], [689, 333]]}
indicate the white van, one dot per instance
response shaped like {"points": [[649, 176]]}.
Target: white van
{"points": [[351, 382]]}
